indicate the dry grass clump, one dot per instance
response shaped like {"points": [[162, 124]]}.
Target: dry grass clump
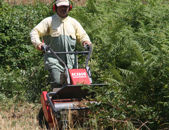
{"points": [[19, 117], [25, 116]]}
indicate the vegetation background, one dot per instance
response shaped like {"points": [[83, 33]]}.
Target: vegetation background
{"points": [[131, 54]]}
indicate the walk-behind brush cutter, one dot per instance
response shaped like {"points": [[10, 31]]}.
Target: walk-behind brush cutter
{"points": [[70, 97]]}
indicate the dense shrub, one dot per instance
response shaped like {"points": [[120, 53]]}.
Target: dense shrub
{"points": [[131, 54], [20, 62]]}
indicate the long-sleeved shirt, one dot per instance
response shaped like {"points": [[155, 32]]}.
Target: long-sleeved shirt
{"points": [[61, 34]]}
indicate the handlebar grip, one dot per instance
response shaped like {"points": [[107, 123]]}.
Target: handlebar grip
{"points": [[87, 47], [44, 48]]}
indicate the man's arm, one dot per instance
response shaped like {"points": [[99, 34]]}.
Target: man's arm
{"points": [[81, 34], [38, 31]]}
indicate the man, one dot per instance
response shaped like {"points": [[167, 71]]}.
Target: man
{"points": [[61, 32]]}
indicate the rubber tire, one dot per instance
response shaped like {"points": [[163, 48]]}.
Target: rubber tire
{"points": [[42, 121]]}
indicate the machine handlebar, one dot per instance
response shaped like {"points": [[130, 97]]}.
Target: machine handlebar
{"points": [[48, 49], [45, 48]]}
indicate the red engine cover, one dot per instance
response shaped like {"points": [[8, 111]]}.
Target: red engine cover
{"points": [[79, 76]]}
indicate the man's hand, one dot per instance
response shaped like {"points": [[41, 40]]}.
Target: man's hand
{"points": [[86, 43], [39, 47]]}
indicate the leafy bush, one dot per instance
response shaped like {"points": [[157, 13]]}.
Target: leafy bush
{"points": [[19, 59], [131, 54]]}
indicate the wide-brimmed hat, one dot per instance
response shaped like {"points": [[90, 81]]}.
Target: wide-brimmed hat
{"points": [[62, 3]]}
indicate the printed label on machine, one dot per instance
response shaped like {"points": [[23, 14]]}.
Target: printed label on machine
{"points": [[79, 76]]}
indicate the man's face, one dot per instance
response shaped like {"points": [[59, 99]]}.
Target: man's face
{"points": [[62, 11]]}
